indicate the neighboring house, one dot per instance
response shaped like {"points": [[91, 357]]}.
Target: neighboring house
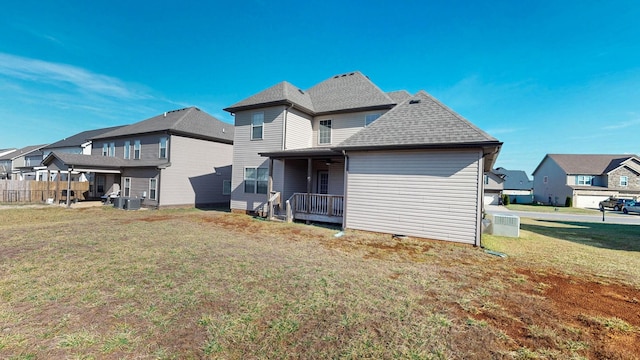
{"points": [[346, 152], [517, 185], [493, 187], [5, 162], [586, 179], [79, 143], [179, 158], [19, 164]]}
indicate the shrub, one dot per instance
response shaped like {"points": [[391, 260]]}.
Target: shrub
{"points": [[505, 199], [568, 202]]}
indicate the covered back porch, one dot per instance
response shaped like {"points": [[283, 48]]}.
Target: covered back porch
{"points": [[306, 184]]}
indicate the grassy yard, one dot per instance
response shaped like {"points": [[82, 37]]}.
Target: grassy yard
{"points": [[187, 284]]}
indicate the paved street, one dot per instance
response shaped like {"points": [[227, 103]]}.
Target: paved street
{"points": [[611, 217]]}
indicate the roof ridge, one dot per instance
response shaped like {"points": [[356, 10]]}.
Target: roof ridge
{"points": [[458, 116], [184, 116]]}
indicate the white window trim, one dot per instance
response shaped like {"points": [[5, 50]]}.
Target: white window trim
{"points": [[155, 189], [255, 185], [137, 145], [126, 191], [320, 132], [166, 148], [127, 150], [626, 182], [261, 126]]}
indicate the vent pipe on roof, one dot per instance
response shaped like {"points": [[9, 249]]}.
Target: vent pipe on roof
{"points": [[165, 114]]}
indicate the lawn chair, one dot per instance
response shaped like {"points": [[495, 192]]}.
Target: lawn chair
{"points": [[112, 193]]}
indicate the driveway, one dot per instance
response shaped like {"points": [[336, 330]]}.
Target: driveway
{"points": [[611, 217]]}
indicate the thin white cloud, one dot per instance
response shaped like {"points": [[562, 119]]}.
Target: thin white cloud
{"points": [[622, 125], [63, 75]]}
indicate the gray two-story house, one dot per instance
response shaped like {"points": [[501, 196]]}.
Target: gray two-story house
{"points": [[344, 151], [586, 179], [178, 158]]}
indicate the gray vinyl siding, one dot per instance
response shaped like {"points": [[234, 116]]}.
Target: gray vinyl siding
{"points": [[296, 181], [139, 183], [556, 187], [149, 146], [245, 153], [342, 126], [298, 131], [428, 194], [198, 169]]}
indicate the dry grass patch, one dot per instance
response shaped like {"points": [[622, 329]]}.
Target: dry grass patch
{"points": [[180, 284]]}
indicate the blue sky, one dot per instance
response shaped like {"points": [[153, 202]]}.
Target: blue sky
{"points": [[541, 76]]}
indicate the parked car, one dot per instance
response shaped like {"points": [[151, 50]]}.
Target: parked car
{"points": [[614, 203], [631, 207]]}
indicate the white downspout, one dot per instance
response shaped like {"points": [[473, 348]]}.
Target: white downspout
{"points": [[344, 192], [284, 127]]}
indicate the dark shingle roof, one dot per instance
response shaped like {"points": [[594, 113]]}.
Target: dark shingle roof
{"points": [[347, 92], [344, 92], [22, 152], [98, 161], [80, 138], [281, 93], [418, 122], [588, 164], [189, 121], [515, 179], [399, 96]]}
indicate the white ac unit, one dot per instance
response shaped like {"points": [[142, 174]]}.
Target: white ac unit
{"points": [[506, 225]]}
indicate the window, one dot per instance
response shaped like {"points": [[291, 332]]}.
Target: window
{"points": [[112, 149], [583, 179], [136, 149], [256, 180], [486, 179], [127, 149], [323, 182], [545, 179], [163, 148], [226, 187], [257, 125], [624, 180], [324, 132], [127, 187], [105, 149], [153, 187], [370, 118]]}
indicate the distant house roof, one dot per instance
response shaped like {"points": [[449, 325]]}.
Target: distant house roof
{"points": [[189, 121], [343, 92], [101, 162], [587, 164], [515, 179], [22, 152], [80, 138]]}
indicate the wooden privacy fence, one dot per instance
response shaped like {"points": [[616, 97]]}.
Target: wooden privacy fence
{"points": [[31, 191]]}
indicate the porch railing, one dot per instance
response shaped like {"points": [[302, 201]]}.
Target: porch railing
{"points": [[315, 207]]}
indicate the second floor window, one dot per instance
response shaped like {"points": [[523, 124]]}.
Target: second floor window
{"points": [[624, 180], [136, 149], [257, 126], [324, 132], [370, 118], [584, 180], [105, 149], [127, 149], [112, 149], [163, 148]]}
